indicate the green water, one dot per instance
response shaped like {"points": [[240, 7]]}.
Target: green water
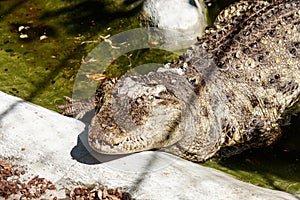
{"points": [[43, 71]]}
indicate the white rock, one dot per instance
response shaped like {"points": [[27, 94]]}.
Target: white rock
{"points": [[183, 20], [51, 149]]}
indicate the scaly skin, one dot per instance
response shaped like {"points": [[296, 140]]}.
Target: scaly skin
{"points": [[225, 95]]}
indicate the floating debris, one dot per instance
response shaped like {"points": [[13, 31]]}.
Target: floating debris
{"points": [[43, 37], [96, 77], [23, 27], [23, 36]]}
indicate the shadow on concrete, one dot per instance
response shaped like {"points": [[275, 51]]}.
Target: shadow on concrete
{"points": [[83, 153]]}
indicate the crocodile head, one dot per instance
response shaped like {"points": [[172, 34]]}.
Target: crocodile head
{"points": [[137, 115], [144, 112]]}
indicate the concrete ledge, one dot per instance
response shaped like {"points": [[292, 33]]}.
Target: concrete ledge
{"points": [[47, 144]]}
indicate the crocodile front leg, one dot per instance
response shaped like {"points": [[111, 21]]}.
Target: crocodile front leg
{"points": [[78, 107]]}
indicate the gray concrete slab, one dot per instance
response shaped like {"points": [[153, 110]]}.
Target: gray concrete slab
{"points": [[53, 146]]}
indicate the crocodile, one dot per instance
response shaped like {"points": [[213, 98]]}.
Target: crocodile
{"points": [[225, 95]]}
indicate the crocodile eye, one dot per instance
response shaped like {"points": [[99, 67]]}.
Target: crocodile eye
{"points": [[168, 137]]}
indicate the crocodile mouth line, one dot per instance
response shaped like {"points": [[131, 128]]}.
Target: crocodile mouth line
{"points": [[138, 143]]}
